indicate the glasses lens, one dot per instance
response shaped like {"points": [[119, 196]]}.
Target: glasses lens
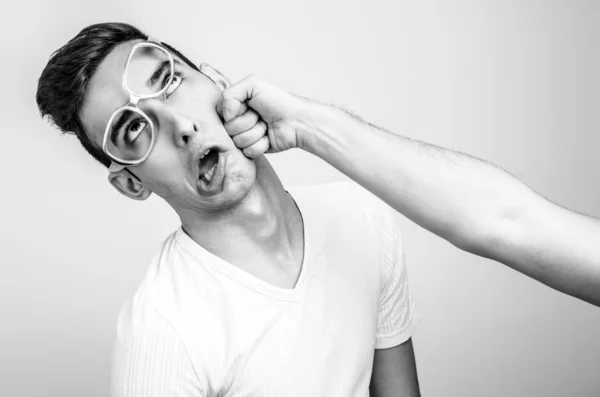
{"points": [[130, 135], [149, 70]]}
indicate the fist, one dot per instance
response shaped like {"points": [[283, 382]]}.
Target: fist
{"points": [[260, 117], [249, 133]]}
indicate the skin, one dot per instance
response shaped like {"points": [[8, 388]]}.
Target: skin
{"points": [[474, 205], [394, 369], [252, 208], [394, 373]]}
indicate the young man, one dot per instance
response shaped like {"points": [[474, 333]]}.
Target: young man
{"points": [[261, 292], [474, 205]]}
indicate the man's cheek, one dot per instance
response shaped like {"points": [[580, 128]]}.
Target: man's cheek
{"points": [[165, 180], [164, 162]]}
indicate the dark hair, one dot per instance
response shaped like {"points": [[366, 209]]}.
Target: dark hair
{"points": [[62, 85]]}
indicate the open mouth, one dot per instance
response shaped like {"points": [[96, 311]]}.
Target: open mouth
{"points": [[207, 165]]}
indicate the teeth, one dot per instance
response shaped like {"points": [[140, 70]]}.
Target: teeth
{"points": [[209, 174], [205, 153]]}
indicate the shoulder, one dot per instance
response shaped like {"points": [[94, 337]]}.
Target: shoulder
{"points": [[349, 212], [320, 193], [149, 356], [157, 272], [144, 334], [138, 317], [349, 200], [381, 222], [343, 196], [144, 310]]}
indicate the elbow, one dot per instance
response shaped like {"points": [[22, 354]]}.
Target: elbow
{"points": [[477, 242], [492, 227], [493, 235], [473, 237]]}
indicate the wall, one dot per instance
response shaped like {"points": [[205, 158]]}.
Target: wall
{"points": [[514, 82]]}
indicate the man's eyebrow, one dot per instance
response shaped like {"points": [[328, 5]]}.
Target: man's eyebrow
{"points": [[160, 69], [125, 115]]}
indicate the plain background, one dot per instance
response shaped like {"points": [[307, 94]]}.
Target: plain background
{"points": [[513, 82]]}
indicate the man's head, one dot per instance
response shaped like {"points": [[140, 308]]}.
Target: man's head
{"points": [[82, 86]]}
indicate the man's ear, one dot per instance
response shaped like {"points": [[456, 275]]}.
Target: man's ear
{"points": [[128, 186], [217, 77]]}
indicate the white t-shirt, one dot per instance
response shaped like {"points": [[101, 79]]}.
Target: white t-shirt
{"points": [[199, 326]]}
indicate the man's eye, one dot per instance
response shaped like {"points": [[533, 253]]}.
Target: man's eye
{"points": [[134, 129], [175, 83]]}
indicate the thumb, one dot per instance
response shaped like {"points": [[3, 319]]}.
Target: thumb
{"points": [[235, 98]]}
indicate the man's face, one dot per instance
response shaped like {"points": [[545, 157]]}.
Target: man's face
{"points": [[186, 125]]}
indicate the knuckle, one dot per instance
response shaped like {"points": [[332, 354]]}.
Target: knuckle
{"points": [[231, 128], [248, 151], [257, 134], [238, 140], [227, 95], [252, 116], [248, 80], [258, 128], [254, 79]]}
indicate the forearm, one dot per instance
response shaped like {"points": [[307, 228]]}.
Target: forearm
{"points": [[451, 194], [474, 205]]}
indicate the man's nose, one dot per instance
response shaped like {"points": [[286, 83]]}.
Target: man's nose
{"points": [[185, 130], [181, 128]]}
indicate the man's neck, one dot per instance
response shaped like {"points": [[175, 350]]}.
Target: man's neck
{"points": [[265, 224]]}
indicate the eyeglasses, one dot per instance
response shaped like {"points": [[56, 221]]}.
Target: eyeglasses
{"points": [[130, 134]]}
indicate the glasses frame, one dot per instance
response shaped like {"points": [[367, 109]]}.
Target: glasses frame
{"points": [[117, 163]]}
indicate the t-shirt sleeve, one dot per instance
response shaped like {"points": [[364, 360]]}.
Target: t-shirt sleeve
{"points": [[397, 318], [150, 359]]}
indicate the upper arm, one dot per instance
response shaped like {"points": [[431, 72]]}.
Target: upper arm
{"points": [[395, 372], [394, 368], [397, 318]]}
